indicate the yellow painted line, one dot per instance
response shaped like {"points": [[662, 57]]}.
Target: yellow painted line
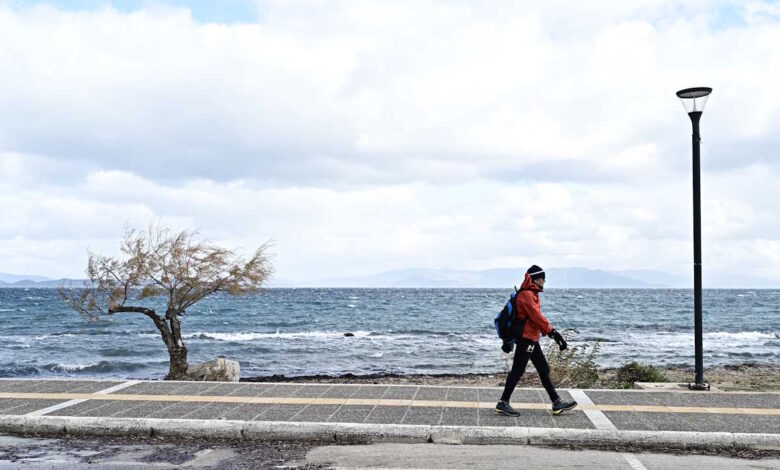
{"points": [[328, 401], [362, 401], [430, 403], [461, 404], [614, 408], [731, 411], [294, 401], [393, 402], [380, 402], [650, 408]]}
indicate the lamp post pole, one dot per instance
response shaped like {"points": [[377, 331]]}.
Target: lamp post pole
{"points": [[697, 296], [694, 99]]}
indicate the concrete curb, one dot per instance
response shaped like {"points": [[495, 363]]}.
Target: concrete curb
{"points": [[369, 433]]}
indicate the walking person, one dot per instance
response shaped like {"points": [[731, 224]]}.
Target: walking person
{"points": [[534, 324]]}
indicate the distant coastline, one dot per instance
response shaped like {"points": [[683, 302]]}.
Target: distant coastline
{"points": [[503, 278]]}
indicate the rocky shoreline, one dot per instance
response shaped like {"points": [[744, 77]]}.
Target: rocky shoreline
{"points": [[741, 377]]}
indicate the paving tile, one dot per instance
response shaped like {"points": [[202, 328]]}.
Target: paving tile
{"points": [[190, 388], [315, 413], [77, 409], [139, 389], [8, 404], [369, 392], [432, 393], [463, 394], [536, 419], [56, 386], [10, 385], [224, 389], [113, 407], [33, 405], [671, 421], [92, 387], [246, 411], [280, 413], [572, 420], [155, 388], [144, 409], [629, 420], [734, 423], [281, 390], [687, 399], [746, 400], [488, 417], [604, 397], [340, 391], [400, 393], [178, 410], [311, 391], [459, 417], [25, 386], [387, 414], [423, 415], [250, 390], [351, 414], [212, 411]]}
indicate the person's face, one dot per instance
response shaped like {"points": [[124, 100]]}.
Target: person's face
{"points": [[540, 282]]}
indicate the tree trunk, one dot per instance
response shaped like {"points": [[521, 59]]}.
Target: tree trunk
{"points": [[176, 350], [178, 369]]}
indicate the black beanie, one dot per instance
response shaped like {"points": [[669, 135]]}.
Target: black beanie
{"points": [[536, 272]]}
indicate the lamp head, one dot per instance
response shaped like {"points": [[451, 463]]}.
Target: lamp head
{"points": [[694, 99]]}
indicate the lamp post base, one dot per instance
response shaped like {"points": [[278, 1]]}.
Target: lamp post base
{"points": [[700, 387]]}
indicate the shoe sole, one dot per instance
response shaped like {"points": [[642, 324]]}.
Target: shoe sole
{"points": [[557, 412], [506, 414]]}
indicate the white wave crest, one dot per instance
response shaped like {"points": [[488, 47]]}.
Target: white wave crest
{"points": [[73, 367], [742, 335], [278, 335]]}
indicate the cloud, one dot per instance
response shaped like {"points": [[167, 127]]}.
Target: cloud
{"points": [[374, 135]]}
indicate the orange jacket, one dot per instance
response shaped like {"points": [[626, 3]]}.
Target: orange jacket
{"points": [[529, 306]]}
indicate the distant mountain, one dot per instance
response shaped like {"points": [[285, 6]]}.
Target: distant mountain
{"points": [[10, 278], [502, 278], [26, 283]]}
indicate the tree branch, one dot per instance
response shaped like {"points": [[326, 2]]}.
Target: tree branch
{"points": [[158, 321]]}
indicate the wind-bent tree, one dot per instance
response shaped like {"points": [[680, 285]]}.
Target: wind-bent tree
{"points": [[173, 266]]}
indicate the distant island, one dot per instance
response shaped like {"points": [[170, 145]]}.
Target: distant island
{"points": [[569, 278]]}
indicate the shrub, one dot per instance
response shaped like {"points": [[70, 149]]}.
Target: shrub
{"points": [[633, 371], [574, 367]]}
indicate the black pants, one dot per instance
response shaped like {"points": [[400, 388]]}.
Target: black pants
{"points": [[527, 349]]}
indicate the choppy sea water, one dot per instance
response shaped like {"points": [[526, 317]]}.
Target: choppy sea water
{"points": [[302, 331]]}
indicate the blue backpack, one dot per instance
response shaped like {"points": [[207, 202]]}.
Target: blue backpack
{"points": [[507, 326]]}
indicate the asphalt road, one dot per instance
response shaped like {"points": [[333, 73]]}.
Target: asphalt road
{"points": [[123, 453]]}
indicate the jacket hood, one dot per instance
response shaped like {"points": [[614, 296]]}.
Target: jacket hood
{"points": [[528, 284]]}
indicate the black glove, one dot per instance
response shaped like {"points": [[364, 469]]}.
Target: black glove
{"points": [[558, 339], [507, 346]]}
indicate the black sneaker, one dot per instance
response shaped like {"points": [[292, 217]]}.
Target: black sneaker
{"points": [[503, 408], [560, 406]]}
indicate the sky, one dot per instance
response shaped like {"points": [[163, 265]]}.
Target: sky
{"points": [[364, 136]]}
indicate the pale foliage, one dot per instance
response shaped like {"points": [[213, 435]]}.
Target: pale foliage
{"points": [[161, 263]]}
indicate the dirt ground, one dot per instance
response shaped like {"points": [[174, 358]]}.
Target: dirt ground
{"points": [[744, 377]]}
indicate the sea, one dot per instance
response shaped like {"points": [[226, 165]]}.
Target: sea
{"points": [[296, 332]]}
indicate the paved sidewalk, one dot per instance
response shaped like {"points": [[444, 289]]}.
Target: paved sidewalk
{"points": [[456, 411]]}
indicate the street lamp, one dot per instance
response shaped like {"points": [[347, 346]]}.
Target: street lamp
{"points": [[694, 99]]}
